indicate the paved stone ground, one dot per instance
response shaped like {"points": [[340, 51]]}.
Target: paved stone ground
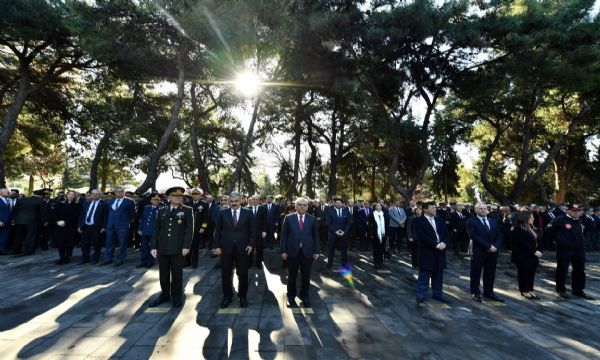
{"points": [[71, 311]]}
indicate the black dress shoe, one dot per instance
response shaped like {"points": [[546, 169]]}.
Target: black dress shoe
{"points": [[243, 303], [291, 303], [306, 303], [83, 262], [420, 300], [106, 263], [563, 295], [583, 295], [225, 302], [59, 262], [477, 298], [140, 266], [177, 303], [494, 297], [442, 299], [159, 300]]}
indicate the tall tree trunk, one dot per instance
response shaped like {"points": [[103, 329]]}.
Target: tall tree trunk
{"points": [[10, 119], [298, 114], [203, 174], [152, 171], [31, 185], [245, 148], [333, 159], [100, 149], [312, 162]]}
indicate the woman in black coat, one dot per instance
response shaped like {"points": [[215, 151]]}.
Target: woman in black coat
{"points": [[66, 218], [525, 253], [378, 223]]}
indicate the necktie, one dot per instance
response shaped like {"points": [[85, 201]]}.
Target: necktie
{"points": [[235, 220], [301, 223], [117, 204], [269, 207], [485, 222], [367, 211], [340, 213], [254, 210], [90, 215], [350, 210]]}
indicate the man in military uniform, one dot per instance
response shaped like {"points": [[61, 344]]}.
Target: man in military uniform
{"points": [[171, 241], [567, 233], [200, 224], [46, 227], [146, 229], [27, 216]]}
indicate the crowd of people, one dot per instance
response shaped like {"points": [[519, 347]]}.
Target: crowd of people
{"points": [[239, 228]]}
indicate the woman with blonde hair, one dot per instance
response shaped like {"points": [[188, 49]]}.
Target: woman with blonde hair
{"points": [[66, 219]]}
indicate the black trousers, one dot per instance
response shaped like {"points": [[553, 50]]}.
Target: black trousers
{"points": [[302, 263], [258, 250], [25, 238], [576, 258], [170, 271], [378, 249], [90, 239], [192, 256], [240, 260], [526, 276], [393, 233], [363, 239], [342, 242], [65, 252], [44, 233], [487, 263]]}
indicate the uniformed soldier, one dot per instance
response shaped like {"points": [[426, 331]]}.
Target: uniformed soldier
{"points": [[46, 227], [567, 233], [146, 228], [200, 225], [27, 216], [171, 241]]}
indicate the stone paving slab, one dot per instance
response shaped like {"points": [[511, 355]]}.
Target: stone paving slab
{"points": [[100, 312]]}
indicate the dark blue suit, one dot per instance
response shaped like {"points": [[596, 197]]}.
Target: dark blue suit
{"points": [[90, 224], [5, 220], [431, 261], [146, 227], [362, 226], [117, 228], [335, 223], [483, 259], [272, 217], [300, 245]]}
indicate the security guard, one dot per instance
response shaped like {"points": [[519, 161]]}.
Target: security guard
{"points": [[145, 230], [200, 225], [171, 241], [567, 233]]}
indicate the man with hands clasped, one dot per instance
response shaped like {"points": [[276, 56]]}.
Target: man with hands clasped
{"points": [[487, 239], [300, 245], [171, 241], [432, 238]]}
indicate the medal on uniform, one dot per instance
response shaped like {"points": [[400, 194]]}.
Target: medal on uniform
{"points": [[180, 216], [567, 226]]}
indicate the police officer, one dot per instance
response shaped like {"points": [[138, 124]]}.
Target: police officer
{"points": [[567, 233], [171, 241], [145, 230], [200, 209]]}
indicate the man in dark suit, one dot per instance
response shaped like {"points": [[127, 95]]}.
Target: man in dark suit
{"points": [[432, 238], [597, 221], [487, 239], [320, 212], [234, 241], [338, 225], [5, 218], [362, 225], [146, 230], [213, 210], [300, 245], [171, 241], [91, 226], [548, 216], [260, 215], [121, 213], [27, 215], [353, 210], [273, 211], [200, 224], [458, 224], [46, 228]]}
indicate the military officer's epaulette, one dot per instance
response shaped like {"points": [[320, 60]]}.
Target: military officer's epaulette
{"points": [[186, 206]]}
